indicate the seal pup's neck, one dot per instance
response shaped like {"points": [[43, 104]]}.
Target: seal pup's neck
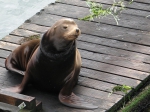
{"points": [[55, 45], [61, 44], [56, 53]]}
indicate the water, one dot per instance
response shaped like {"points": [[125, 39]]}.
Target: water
{"points": [[14, 12]]}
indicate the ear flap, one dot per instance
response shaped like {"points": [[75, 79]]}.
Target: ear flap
{"points": [[50, 32]]}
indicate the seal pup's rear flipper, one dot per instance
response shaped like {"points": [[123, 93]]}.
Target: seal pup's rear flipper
{"points": [[11, 65], [75, 101]]}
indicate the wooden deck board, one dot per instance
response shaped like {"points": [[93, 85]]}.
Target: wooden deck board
{"points": [[126, 20], [97, 29], [84, 6], [111, 55], [120, 71], [134, 5], [126, 58]]}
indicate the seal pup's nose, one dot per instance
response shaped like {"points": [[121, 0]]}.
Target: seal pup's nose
{"points": [[77, 30]]}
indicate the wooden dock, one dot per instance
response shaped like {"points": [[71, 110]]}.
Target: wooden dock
{"points": [[111, 54]]}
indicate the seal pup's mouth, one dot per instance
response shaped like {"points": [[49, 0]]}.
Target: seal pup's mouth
{"points": [[72, 37]]}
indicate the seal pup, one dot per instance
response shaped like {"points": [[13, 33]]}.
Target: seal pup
{"points": [[53, 63]]}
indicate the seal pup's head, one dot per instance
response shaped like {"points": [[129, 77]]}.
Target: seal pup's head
{"points": [[65, 29], [62, 34]]}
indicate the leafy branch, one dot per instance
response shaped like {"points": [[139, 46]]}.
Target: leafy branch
{"points": [[97, 10]]}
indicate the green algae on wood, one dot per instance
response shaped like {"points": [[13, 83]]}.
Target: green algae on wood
{"points": [[32, 37]]}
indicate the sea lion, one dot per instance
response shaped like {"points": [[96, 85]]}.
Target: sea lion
{"points": [[52, 63]]}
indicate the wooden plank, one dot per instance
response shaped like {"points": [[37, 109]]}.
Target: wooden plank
{"points": [[135, 5], [7, 45], [107, 64], [127, 11], [103, 58], [95, 84], [16, 99], [106, 86], [51, 101], [101, 103], [93, 39], [38, 105], [34, 27], [119, 61], [8, 108], [99, 76], [114, 69], [91, 99], [12, 39], [96, 56], [83, 3], [4, 53], [107, 77], [79, 12], [108, 50], [96, 93], [24, 33], [115, 43], [113, 51], [143, 1], [98, 29], [2, 62]]}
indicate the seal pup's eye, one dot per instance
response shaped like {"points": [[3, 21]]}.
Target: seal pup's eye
{"points": [[65, 27]]}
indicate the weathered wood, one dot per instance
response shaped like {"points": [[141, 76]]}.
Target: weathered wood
{"points": [[12, 39], [16, 99], [24, 33], [34, 27], [111, 54], [135, 5], [143, 1], [2, 62], [99, 76], [102, 65], [119, 61], [51, 100], [114, 69], [93, 39], [113, 51], [79, 12], [95, 84], [98, 29], [101, 57], [96, 93], [83, 4], [107, 50], [128, 62], [7, 46], [38, 105], [8, 108], [4, 53], [115, 43], [108, 77]]}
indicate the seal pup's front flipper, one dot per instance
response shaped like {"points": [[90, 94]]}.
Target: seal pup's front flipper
{"points": [[75, 101], [19, 88]]}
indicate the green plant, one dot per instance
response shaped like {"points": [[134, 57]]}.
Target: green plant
{"points": [[32, 37], [147, 16], [122, 88], [97, 10], [138, 101]]}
